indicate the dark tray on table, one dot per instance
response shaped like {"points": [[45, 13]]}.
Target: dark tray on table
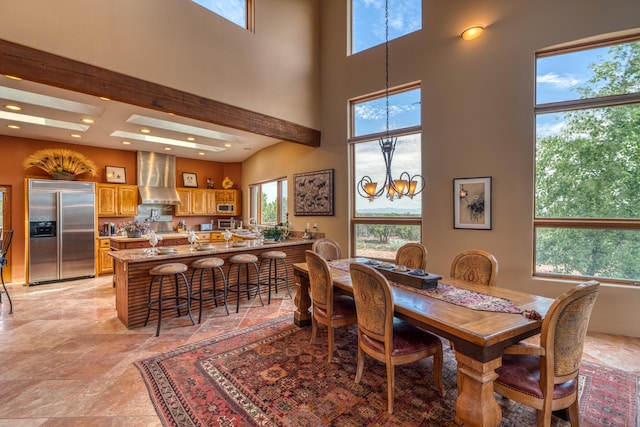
{"points": [[411, 278]]}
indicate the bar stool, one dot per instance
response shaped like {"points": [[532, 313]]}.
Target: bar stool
{"points": [[214, 294], [238, 261], [161, 271], [272, 279]]}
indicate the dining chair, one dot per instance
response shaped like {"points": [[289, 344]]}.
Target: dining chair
{"points": [[328, 308], [475, 266], [384, 337], [7, 236], [327, 248], [545, 377], [412, 256]]}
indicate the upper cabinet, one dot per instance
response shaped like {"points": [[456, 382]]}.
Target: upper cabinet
{"points": [[201, 202], [194, 202], [117, 200]]}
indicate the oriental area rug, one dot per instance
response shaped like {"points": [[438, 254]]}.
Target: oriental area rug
{"points": [[270, 375]]}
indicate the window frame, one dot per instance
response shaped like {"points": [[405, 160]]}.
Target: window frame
{"points": [[255, 200], [353, 140], [249, 19], [572, 105]]}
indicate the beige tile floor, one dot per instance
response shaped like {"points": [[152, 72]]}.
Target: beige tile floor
{"points": [[66, 360]]}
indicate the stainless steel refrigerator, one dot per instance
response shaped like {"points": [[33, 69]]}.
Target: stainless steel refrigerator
{"points": [[62, 230]]}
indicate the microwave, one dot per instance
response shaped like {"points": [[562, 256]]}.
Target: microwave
{"points": [[224, 223], [226, 208]]}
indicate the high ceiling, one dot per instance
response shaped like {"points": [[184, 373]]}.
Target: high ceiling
{"points": [[55, 114]]}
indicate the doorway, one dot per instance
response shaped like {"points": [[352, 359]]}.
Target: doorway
{"points": [[5, 223]]}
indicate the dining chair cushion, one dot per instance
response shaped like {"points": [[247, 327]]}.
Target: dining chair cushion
{"points": [[522, 372], [407, 339], [343, 307]]}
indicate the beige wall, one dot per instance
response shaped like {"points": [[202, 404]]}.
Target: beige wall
{"points": [[177, 43], [477, 96]]}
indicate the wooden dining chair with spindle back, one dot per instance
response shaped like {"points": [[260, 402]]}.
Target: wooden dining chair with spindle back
{"points": [[327, 248]]}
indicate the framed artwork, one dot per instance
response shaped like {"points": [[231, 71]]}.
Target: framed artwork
{"points": [[189, 179], [472, 203], [115, 174], [313, 193]]}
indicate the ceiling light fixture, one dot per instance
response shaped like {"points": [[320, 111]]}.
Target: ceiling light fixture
{"points": [[190, 138], [201, 153], [406, 184], [472, 33], [9, 76], [167, 148], [13, 107], [88, 120], [126, 142], [145, 130], [227, 145], [13, 126], [75, 135]]}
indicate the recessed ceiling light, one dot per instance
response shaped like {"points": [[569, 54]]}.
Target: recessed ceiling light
{"points": [[13, 107], [88, 120], [201, 153], [167, 148], [104, 98], [75, 135], [13, 126], [126, 142], [145, 130], [227, 145], [12, 77], [190, 138]]}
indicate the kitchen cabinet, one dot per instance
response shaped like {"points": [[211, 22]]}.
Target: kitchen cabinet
{"points": [[104, 262], [117, 200], [193, 202], [230, 198]]}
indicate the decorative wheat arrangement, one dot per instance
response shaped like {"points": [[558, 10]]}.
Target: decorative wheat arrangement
{"points": [[60, 163]]}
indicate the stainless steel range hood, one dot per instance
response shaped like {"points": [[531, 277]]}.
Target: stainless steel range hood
{"points": [[157, 179]]}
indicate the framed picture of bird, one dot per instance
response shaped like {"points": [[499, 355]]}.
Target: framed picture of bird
{"points": [[313, 193]]}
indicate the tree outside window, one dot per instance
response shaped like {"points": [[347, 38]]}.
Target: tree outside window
{"points": [[587, 207]]}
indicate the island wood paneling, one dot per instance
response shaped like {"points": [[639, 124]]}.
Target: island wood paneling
{"points": [[132, 282]]}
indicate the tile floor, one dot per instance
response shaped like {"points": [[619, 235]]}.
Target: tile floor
{"points": [[66, 360]]}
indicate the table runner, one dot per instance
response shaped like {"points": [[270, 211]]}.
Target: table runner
{"points": [[454, 295]]}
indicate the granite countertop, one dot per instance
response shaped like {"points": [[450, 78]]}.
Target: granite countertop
{"points": [[244, 234], [184, 251]]}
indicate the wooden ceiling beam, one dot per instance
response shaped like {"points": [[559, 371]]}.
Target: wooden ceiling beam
{"points": [[47, 68]]}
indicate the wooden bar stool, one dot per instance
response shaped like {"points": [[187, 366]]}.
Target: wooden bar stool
{"points": [[161, 271], [238, 261], [272, 279], [212, 294]]}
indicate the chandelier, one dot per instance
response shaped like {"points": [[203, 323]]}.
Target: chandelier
{"points": [[406, 184]]}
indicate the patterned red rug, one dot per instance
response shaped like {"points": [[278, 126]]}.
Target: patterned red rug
{"points": [[269, 375]]}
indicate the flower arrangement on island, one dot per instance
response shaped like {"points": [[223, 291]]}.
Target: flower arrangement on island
{"points": [[60, 163], [134, 228]]}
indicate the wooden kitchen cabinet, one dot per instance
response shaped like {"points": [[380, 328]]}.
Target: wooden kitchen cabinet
{"points": [[193, 202], [104, 261], [117, 200], [228, 197]]}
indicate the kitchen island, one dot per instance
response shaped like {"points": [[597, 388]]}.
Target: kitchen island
{"points": [[131, 272]]}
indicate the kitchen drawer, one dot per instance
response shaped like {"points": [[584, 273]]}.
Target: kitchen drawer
{"points": [[174, 242], [137, 245], [103, 243]]}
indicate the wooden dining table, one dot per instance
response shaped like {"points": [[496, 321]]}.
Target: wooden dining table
{"points": [[479, 336]]}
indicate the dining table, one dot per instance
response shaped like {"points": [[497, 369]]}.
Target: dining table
{"points": [[480, 320]]}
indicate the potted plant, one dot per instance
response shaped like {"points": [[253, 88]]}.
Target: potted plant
{"points": [[60, 163], [274, 232], [134, 228]]}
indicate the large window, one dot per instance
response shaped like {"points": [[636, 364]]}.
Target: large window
{"points": [[268, 202], [587, 206], [368, 21], [381, 226], [237, 11]]}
